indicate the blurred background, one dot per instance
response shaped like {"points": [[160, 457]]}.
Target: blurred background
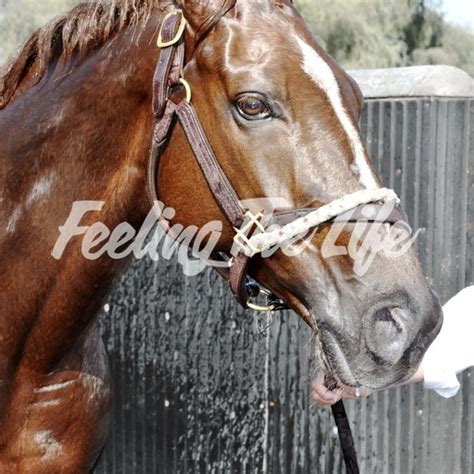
{"points": [[360, 34]]}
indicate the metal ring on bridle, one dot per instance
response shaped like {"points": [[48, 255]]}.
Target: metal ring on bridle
{"points": [[187, 88], [256, 307]]}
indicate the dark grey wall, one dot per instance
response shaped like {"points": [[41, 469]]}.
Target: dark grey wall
{"points": [[201, 386]]}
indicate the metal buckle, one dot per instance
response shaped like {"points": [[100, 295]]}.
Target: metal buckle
{"points": [[256, 307], [241, 239], [179, 33]]}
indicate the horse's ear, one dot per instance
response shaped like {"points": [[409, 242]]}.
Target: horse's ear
{"points": [[203, 14]]}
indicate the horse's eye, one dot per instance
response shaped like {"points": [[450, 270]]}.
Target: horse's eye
{"points": [[253, 108]]}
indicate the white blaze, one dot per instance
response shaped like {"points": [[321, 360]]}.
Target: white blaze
{"points": [[322, 75]]}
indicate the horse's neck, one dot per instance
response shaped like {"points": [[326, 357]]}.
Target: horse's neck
{"points": [[84, 137]]}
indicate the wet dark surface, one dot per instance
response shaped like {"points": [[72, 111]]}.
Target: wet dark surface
{"points": [[202, 386]]}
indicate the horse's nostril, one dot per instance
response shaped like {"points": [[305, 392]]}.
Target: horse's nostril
{"points": [[390, 315], [386, 333], [383, 315]]}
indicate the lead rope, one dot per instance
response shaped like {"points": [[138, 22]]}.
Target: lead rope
{"points": [[345, 437]]}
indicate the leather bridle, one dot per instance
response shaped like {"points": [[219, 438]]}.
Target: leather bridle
{"points": [[168, 76]]}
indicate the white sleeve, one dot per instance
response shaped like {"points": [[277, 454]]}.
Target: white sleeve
{"points": [[453, 350]]}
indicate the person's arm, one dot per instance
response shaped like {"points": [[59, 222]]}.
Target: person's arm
{"points": [[452, 351]]}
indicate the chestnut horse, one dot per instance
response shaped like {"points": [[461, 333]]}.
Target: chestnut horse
{"points": [[281, 117]]}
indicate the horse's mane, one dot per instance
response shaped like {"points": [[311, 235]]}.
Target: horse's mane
{"points": [[77, 33]]}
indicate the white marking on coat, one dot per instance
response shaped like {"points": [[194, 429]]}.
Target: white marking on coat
{"points": [[47, 403], [42, 188], [53, 388], [50, 446], [13, 221], [57, 118], [323, 76]]}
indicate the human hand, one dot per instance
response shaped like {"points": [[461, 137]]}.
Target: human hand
{"points": [[322, 396]]}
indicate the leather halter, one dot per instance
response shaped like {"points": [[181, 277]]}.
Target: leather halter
{"points": [[168, 75]]}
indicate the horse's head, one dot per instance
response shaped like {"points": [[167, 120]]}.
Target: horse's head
{"points": [[282, 117]]}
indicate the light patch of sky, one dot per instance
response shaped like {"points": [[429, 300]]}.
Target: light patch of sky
{"points": [[460, 12]]}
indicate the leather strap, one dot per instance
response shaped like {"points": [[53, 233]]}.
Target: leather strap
{"points": [[169, 61], [223, 191], [237, 275]]}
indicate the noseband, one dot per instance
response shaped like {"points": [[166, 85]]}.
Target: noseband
{"points": [[168, 76]]}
